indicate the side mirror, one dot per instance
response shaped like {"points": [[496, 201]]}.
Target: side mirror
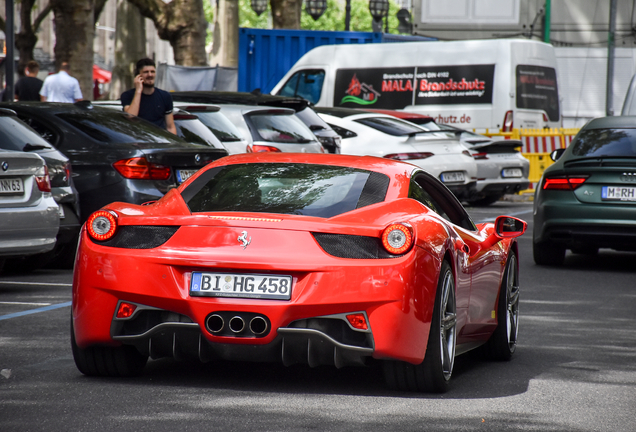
{"points": [[556, 154], [509, 227]]}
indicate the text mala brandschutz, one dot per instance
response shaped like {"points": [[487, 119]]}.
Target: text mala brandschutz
{"points": [[396, 88]]}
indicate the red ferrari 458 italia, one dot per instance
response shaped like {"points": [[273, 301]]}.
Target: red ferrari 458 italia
{"points": [[297, 258]]}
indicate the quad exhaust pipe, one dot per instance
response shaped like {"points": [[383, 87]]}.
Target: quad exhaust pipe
{"points": [[237, 324], [215, 323]]}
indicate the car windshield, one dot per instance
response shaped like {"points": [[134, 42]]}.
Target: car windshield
{"points": [[194, 131], [391, 126], [115, 127], [605, 142], [303, 189], [16, 135], [220, 126], [280, 128]]}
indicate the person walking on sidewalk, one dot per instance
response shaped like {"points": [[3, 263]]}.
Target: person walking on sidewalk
{"points": [[28, 87], [146, 100], [61, 87]]}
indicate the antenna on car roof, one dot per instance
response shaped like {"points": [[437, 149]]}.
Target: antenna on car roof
{"points": [[256, 92]]}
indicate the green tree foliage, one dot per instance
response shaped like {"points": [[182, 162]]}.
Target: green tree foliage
{"points": [[332, 19], [248, 18]]}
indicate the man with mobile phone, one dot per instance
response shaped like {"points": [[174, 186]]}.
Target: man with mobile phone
{"points": [[146, 100]]}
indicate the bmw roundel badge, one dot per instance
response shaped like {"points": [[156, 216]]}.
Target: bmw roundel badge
{"points": [[5, 165]]}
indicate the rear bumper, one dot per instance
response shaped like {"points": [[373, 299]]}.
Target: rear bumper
{"points": [[501, 186], [395, 294], [29, 230], [561, 218]]}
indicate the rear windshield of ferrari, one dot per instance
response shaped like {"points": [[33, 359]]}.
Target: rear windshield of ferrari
{"points": [[605, 142], [302, 189]]}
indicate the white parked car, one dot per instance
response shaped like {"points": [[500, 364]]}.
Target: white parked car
{"points": [[373, 134], [270, 129]]}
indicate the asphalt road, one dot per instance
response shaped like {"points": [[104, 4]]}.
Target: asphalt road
{"points": [[574, 369]]}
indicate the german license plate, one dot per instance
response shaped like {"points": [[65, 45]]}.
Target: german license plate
{"points": [[277, 287], [618, 193], [511, 172], [183, 175], [11, 186], [453, 176]]}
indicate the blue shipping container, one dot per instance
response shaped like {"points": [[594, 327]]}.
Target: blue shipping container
{"points": [[265, 56]]}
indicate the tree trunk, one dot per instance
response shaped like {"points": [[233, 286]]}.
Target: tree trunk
{"points": [[74, 32], [26, 40], [182, 23], [130, 46], [286, 13], [225, 42]]}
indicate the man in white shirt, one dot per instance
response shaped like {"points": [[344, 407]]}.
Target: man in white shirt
{"points": [[61, 87]]}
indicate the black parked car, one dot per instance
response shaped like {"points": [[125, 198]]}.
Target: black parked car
{"points": [[329, 139], [15, 135], [115, 156]]}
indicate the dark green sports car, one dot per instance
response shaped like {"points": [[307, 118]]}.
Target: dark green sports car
{"points": [[586, 200]]}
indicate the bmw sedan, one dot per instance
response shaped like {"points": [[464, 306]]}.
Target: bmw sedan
{"points": [[586, 200], [115, 156], [16, 136], [29, 219]]}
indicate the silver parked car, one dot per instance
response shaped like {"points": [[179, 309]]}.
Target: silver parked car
{"points": [[15, 135], [269, 129], [218, 124], [501, 168], [29, 215]]}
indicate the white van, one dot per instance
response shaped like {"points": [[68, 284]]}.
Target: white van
{"points": [[495, 84]]}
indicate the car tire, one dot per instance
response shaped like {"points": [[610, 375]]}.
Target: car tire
{"points": [[122, 361], [433, 374], [548, 253], [503, 342]]}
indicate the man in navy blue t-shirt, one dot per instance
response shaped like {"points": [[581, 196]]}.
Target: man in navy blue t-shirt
{"points": [[147, 101]]}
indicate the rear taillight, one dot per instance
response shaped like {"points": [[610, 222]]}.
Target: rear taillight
{"points": [[408, 156], [68, 172], [262, 149], [480, 156], [140, 169], [507, 122], [397, 238], [42, 179], [126, 310], [102, 225], [545, 118], [564, 183], [358, 321]]}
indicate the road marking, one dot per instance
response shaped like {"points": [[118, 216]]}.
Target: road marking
{"points": [[35, 283], [33, 311], [26, 303], [492, 219]]}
